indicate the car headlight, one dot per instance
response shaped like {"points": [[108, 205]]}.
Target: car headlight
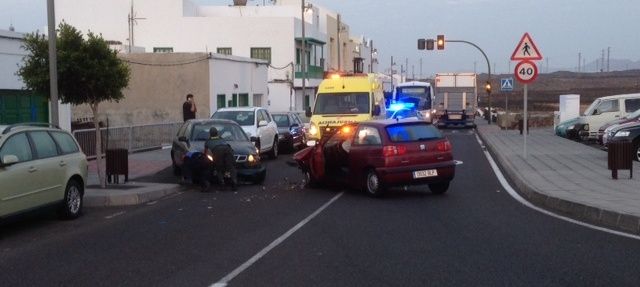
{"points": [[586, 127], [313, 130], [251, 158], [571, 127], [623, 134]]}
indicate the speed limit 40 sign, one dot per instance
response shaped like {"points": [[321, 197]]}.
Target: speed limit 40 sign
{"points": [[526, 71]]}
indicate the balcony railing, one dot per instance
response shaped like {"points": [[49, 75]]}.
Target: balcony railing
{"points": [[313, 72]]}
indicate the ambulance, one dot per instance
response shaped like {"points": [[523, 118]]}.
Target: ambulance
{"points": [[344, 98]]}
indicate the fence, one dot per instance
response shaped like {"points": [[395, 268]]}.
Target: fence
{"points": [[133, 138]]}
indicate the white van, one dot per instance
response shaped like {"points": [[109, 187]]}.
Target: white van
{"points": [[604, 110]]}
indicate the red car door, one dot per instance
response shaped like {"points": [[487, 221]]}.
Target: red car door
{"points": [[365, 153]]}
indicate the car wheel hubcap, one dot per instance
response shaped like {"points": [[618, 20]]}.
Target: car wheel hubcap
{"points": [[73, 200], [372, 183]]}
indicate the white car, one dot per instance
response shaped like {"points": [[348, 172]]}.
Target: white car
{"points": [[257, 123], [604, 110]]}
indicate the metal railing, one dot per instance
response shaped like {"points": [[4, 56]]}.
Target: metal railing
{"points": [[133, 138]]}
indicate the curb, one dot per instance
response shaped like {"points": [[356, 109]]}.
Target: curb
{"points": [[593, 215], [146, 192]]}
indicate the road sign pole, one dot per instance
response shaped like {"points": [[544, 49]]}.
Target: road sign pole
{"points": [[525, 123]]}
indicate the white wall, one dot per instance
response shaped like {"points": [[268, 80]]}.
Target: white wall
{"points": [[227, 72], [11, 55]]}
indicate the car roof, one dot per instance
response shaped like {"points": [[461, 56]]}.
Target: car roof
{"points": [[413, 84], [241, 109], [388, 122], [5, 129], [213, 121], [623, 96]]}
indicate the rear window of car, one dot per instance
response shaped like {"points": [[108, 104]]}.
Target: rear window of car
{"points": [[413, 132], [65, 142], [282, 120], [243, 118], [44, 144]]}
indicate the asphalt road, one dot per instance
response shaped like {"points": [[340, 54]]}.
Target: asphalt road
{"points": [[475, 235]]}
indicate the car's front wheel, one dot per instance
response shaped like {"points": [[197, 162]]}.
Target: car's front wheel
{"points": [[373, 186], [636, 147], [175, 167], [274, 149], [309, 181], [72, 204], [439, 188]]}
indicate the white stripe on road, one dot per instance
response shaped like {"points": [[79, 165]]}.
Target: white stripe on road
{"points": [[115, 215], [225, 280], [524, 202]]}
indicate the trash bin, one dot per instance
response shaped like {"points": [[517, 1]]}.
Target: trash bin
{"points": [[117, 164], [620, 156]]}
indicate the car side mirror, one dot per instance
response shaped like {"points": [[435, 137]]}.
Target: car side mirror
{"points": [[262, 124], [308, 112], [294, 126], [376, 110], [8, 160], [595, 112]]}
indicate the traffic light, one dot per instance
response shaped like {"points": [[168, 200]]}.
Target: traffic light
{"points": [[430, 44], [440, 42], [421, 44], [487, 87]]}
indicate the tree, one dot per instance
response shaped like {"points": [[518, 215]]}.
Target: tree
{"points": [[89, 72]]}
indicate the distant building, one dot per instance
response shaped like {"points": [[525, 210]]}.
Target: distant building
{"points": [[272, 33]]}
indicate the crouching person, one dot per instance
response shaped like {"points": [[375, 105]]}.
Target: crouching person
{"points": [[223, 160]]}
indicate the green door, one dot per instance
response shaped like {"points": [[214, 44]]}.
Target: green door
{"points": [[18, 106]]}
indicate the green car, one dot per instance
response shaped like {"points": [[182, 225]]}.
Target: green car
{"points": [[570, 129], [40, 166]]}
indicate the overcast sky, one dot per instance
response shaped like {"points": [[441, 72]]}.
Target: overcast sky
{"points": [[560, 28]]}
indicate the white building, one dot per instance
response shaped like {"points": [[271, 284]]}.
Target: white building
{"points": [[272, 33]]}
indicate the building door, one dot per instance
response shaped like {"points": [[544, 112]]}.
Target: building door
{"points": [[23, 106]]}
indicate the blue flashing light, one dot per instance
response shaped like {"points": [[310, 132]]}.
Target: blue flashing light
{"points": [[401, 106]]}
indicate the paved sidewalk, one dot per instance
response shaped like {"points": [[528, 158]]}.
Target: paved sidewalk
{"points": [[141, 165], [567, 177]]}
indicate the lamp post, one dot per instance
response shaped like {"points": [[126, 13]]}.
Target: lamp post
{"points": [[53, 62]]}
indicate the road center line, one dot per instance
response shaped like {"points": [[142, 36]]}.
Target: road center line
{"points": [[115, 215], [503, 181], [225, 280]]}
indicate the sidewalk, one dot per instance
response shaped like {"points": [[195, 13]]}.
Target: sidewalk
{"points": [[141, 165], [566, 177]]}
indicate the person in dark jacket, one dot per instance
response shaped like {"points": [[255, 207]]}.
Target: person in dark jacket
{"points": [[223, 160]]}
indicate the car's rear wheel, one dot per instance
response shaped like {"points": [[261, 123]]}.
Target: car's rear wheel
{"points": [[72, 203], [373, 186], [274, 149], [636, 146], [439, 188]]}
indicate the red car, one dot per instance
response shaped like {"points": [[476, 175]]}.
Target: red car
{"points": [[376, 155]]}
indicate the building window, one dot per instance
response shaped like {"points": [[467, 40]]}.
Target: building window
{"points": [[162, 49], [234, 101], [244, 100], [225, 51], [222, 100], [261, 53], [307, 101]]}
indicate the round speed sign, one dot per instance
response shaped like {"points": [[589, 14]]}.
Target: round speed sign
{"points": [[526, 72]]}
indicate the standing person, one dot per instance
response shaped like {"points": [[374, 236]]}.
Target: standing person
{"points": [[223, 160], [189, 108]]}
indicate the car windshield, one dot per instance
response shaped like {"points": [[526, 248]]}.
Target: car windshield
{"points": [[243, 118], [281, 120], [589, 110], [634, 115], [405, 113], [342, 103], [413, 132], [227, 131], [419, 96]]}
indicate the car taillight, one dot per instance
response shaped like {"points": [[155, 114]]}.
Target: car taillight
{"points": [[392, 150], [443, 146]]}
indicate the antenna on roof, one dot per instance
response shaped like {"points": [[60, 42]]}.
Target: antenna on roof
{"points": [[133, 20], [11, 28]]}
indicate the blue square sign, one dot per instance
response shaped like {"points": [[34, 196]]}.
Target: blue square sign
{"points": [[506, 84]]}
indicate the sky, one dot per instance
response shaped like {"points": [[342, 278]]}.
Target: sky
{"points": [[560, 28]]}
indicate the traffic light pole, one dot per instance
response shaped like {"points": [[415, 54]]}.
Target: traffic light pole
{"points": [[488, 68]]}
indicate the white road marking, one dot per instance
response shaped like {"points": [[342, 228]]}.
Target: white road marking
{"points": [[225, 280], [115, 214], [516, 196], [166, 147]]}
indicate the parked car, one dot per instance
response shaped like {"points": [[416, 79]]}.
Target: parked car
{"points": [[569, 129], [604, 110], [257, 123], [629, 132], [632, 117], [291, 130], [40, 166], [376, 155], [193, 134]]}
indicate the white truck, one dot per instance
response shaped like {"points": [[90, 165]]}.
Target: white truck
{"points": [[456, 99]]}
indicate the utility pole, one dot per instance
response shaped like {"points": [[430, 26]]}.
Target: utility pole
{"points": [[391, 72], [303, 55], [475, 64], [371, 58], [420, 68], [413, 72], [579, 61], [339, 44], [547, 60], [406, 67], [53, 63], [608, 58], [602, 65]]}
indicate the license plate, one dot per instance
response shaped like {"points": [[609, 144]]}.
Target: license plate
{"points": [[455, 117], [425, 173]]}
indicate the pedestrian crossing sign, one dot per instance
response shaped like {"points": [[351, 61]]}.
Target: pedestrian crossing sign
{"points": [[506, 84], [526, 50]]}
